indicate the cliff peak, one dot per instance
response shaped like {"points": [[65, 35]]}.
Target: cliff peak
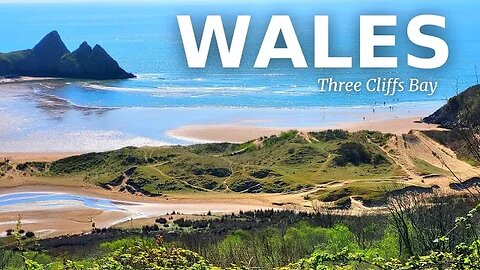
{"points": [[84, 50], [85, 45], [52, 44]]}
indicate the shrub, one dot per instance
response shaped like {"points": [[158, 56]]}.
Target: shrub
{"points": [[161, 220], [183, 222], [353, 153]]}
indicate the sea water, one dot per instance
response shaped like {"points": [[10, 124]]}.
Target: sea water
{"points": [[52, 200], [145, 39]]}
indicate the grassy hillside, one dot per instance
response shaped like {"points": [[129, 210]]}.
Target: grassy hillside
{"points": [[290, 162], [466, 150]]}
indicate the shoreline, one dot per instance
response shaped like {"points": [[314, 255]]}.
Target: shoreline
{"points": [[169, 198], [240, 133], [27, 79], [40, 125]]}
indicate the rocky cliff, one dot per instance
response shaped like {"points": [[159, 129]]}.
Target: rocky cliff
{"points": [[51, 58], [462, 110]]}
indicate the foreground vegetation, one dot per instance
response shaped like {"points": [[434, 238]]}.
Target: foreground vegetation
{"points": [[426, 236]]}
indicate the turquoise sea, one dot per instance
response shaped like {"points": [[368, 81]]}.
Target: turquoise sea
{"points": [[145, 39]]}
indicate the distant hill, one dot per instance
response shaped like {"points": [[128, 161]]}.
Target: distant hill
{"points": [[51, 58], [462, 111]]}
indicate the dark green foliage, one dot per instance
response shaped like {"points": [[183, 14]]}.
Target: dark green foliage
{"points": [[357, 154], [330, 135], [247, 185], [471, 183], [214, 148], [161, 220], [305, 154], [464, 255], [378, 159], [270, 239], [376, 137], [282, 138], [5, 167], [35, 166], [81, 163], [353, 153], [217, 172], [263, 173], [183, 222]]}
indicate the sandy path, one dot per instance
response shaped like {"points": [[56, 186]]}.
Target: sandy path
{"points": [[396, 150]]}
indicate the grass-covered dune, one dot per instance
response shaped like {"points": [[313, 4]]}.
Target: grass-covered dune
{"points": [[290, 162]]}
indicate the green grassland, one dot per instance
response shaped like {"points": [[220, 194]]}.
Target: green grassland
{"points": [[289, 162]]}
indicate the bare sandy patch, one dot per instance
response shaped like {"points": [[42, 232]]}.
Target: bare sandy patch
{"points": [[37, 156]]}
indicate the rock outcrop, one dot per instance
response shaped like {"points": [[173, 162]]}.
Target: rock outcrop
{"points": [[462, 110], [51, 58]]}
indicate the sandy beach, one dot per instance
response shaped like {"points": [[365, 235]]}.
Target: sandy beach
{"points": [[37, 156], [242, 133], [55, 218]]}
